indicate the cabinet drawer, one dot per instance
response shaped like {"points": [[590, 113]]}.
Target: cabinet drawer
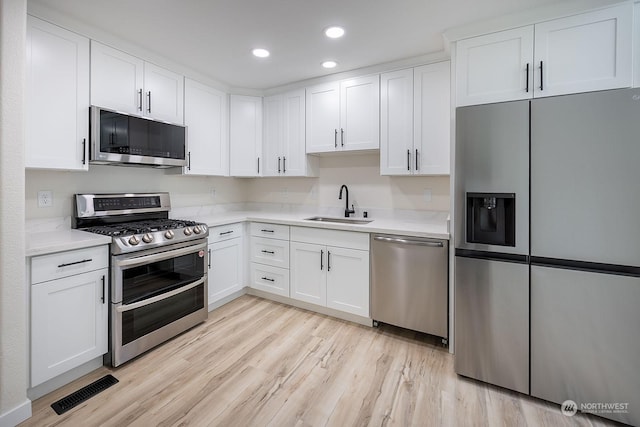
{"points": [[273, 231], [270, 251], [270, 279], [225, 232], [323, 236], [63, 264]]}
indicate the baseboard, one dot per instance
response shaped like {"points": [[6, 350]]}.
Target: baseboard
{"points": [[228, 298], [312, 307], [64, 379], [17, 415]]}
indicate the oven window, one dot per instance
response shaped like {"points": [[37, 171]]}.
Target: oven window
{"points": [[158, 277], [144, 320]]}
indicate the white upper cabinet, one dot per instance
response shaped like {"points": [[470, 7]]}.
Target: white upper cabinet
{"points": [[323, 117], [432, 118], [415, 109], [206, 117], [343, 116], [122, 82], [581, 53], [496, 67], [284, 136], [245, 136], [57, 98]]}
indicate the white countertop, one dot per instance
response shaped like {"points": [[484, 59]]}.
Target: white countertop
{"points": [[48, 242], [405, 227]]}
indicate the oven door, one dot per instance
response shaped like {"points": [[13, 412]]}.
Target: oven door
{"points": [[156, 295]]}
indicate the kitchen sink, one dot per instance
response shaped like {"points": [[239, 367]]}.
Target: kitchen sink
{"points": [[339, 220]]}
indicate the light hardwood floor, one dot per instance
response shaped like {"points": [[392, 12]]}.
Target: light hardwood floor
{"points": [[260, 363]]}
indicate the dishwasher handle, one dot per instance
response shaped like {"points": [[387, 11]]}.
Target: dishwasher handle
{"points": [[409, 241]]}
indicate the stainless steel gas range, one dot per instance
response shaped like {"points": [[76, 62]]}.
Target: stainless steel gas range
{"points": [[158, 273]]}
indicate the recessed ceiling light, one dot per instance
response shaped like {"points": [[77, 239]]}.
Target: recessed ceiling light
{"points": [[334, 32], [260, 53], [329, 64]]}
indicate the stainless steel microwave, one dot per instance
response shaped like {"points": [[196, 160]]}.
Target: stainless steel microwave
{"points": [[118, 138]]}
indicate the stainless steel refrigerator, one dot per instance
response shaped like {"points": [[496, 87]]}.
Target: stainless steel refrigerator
{"points": [[560, 321]]}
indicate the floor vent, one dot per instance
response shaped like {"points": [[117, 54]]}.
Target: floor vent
{"points": [[85, 393]]}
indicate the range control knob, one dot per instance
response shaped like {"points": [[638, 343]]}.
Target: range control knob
{"points": [[187, 231], [169, 234], [147, 238], [197, 229], [133, 240]]}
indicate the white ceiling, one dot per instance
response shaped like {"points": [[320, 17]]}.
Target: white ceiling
{"points": [[215, 37]]}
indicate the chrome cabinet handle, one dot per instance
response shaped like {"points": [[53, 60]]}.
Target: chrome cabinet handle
{"points": [[149, 100], [140, 100], [75, 263], [335, 138]]}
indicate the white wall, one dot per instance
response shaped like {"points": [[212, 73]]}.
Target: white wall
{"points": [[185, 190], [367, 189], [14, 405]]}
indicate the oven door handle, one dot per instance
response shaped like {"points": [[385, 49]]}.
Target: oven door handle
{"points": [[146, 259], [157, 298]]}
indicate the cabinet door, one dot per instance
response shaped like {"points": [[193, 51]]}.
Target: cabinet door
{"points": [[225, 269], [273, 135], [432, 120], [348, 280], [245, 136], [164, 94], [309, 273], [493, 68], [583, 53], [68, 323], [322, 118], [294, 162], [57, 84], [116, 79], [360, 113], [396, 122], [206, 118]]}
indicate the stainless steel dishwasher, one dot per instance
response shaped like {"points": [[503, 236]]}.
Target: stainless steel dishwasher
{"points": [[409, 283]]}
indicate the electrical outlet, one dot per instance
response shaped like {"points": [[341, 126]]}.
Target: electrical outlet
{"points": [[45, 199], [427, 194]]}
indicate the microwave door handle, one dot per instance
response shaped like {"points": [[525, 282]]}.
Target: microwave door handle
{"points": [[134, 262], [161, 297]]}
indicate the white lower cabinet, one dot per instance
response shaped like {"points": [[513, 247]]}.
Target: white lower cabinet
{"points": [[225, 261], [270, 258], [69, 315], [336, 277]]}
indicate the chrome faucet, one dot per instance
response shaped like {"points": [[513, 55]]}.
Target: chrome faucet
{"points": [[347, 211]]}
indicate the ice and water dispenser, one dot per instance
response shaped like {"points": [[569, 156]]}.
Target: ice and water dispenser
{"points": [[491, 218]]}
